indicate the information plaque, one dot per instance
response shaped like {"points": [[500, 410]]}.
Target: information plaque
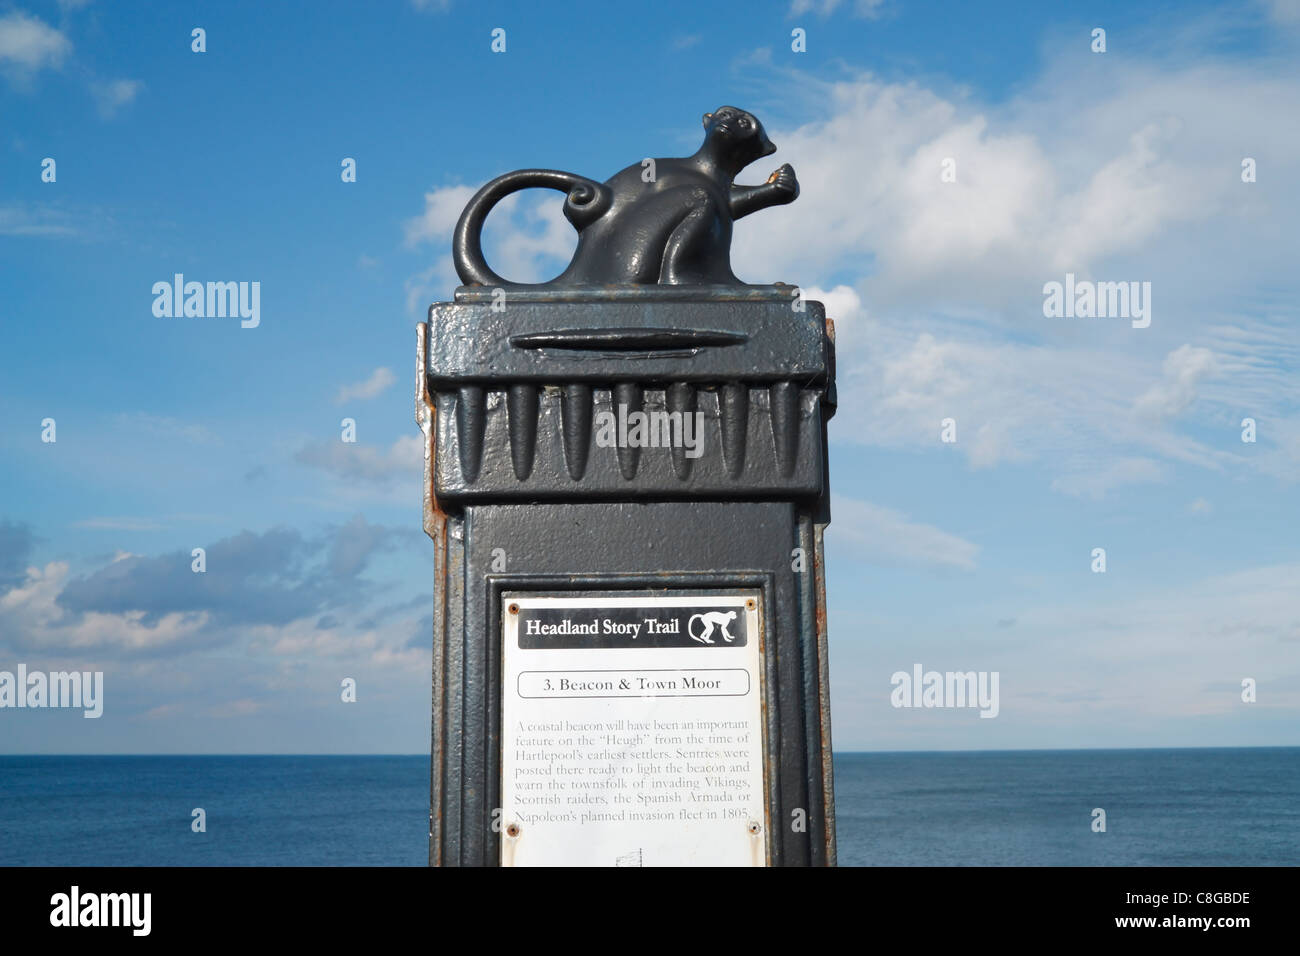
{"points": [[632, 730]]}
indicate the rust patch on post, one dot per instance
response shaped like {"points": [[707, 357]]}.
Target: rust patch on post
{"points": [[426, 416], [824, 692], [435, 526]]}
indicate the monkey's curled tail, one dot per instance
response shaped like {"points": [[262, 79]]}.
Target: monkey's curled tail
{"points": [[587, 200], [703, 636]]}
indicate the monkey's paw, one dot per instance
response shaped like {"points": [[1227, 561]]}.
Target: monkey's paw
{"points": [[785, 182]]}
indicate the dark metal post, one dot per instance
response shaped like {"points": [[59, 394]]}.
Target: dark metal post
{"points": [[522, 499]]}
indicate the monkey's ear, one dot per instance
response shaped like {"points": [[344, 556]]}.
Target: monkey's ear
{"points": [[707, 117]]}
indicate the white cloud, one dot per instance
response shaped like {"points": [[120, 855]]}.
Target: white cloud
{"points": [[525, 240], [1062, 178], [1126, 170], [1150, 670], [1284, 11], [843, 307], [866, 9], [112, 95], [442, 207], [1096, 484], [869, 532], [242, 707], [357, 462], [119, 524], [167, 428], [304, 639], [1183, 368], [32, 220], [1089, 171], [31, 619], [28, 44], [1158, 652], [380, 379]]}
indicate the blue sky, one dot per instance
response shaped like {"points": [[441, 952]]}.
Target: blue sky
{"points": [[177, 433]]}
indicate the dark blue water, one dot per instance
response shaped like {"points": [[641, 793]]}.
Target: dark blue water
{"points": [[1163, 807], [1230, 807]]}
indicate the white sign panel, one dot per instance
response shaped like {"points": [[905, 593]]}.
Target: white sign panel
{"points": [[632, 731]]}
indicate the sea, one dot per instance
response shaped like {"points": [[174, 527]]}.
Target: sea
{"points": [[1185, 807]]}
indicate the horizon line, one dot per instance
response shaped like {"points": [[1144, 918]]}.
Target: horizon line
{"points": [[834, 753]]}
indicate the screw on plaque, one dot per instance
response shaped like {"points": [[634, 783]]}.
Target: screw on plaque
{"points": [[750, 604], [513, 609], [513, 830], [755, 828]]}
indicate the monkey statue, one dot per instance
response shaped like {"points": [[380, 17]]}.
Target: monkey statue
{"points": [[672, 227]]}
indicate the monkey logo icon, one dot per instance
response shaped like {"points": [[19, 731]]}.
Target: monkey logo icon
{"points": [[714, 619]]}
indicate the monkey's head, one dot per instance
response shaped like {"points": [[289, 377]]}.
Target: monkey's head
{"points": [[741, 132]]}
